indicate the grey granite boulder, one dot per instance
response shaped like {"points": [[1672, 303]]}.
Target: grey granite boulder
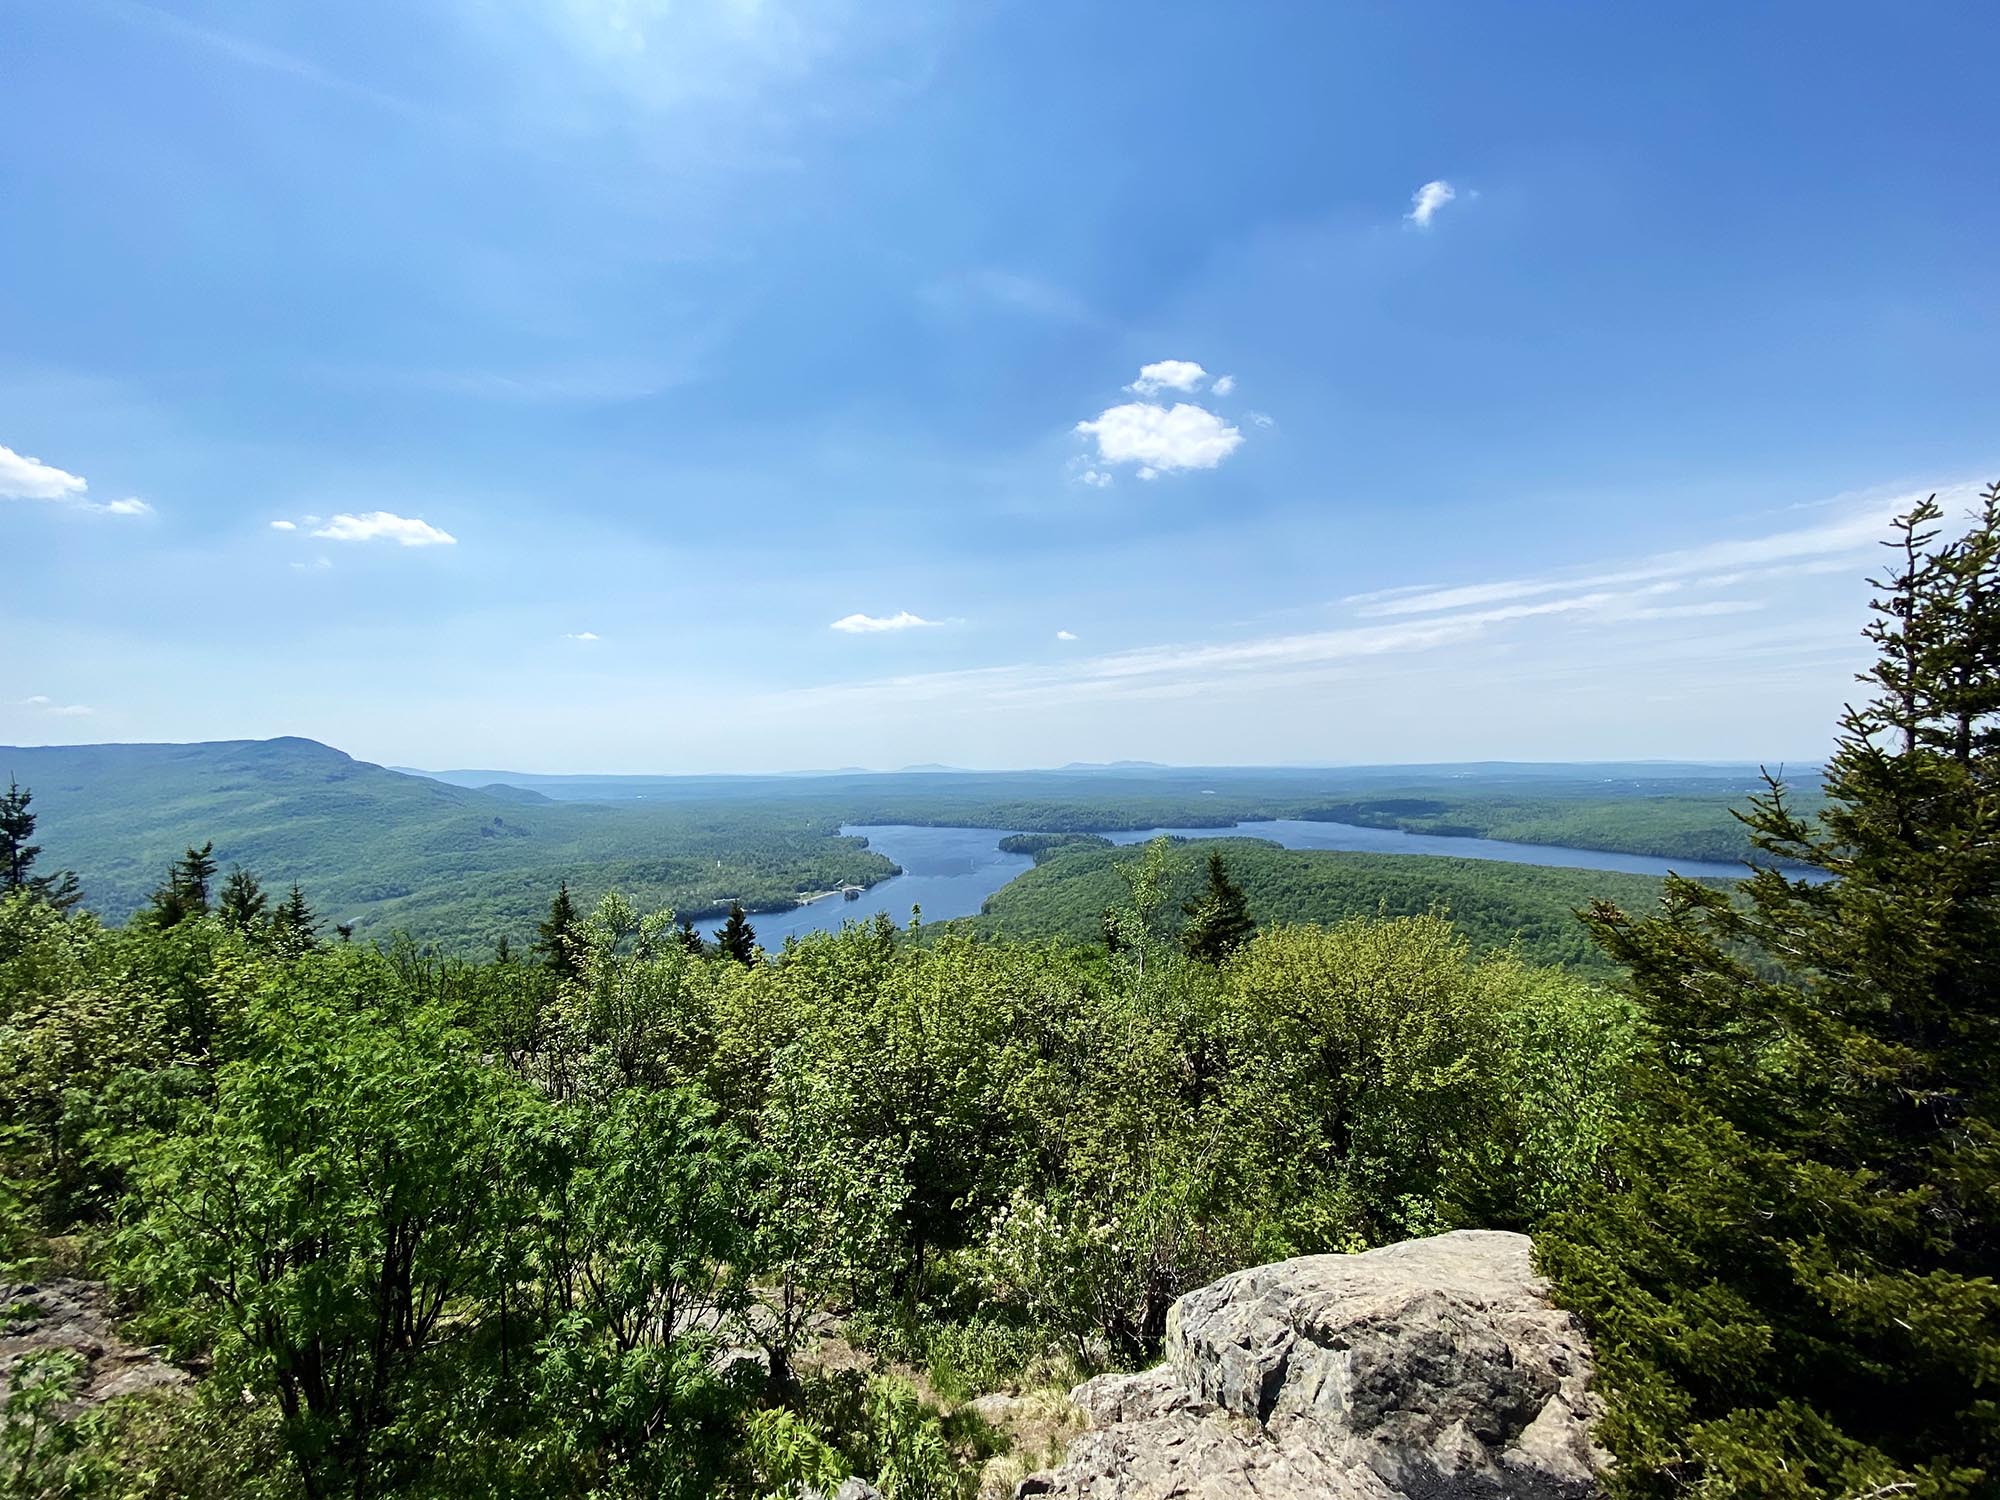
{"points": [[1433, 1368]]}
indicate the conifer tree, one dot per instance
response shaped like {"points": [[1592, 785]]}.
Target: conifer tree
{"points": [[193, 873], [737, 939], [1218, 918], [294, 927], [557, 936], [689, 938], [17, 826], [17, 855], [242, 902], [1791, 1269], [186, 891]]}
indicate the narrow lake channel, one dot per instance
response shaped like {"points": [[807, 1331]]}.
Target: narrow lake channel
{"points": [[949, 872]]}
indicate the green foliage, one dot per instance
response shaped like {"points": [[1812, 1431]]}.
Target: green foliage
{"points": [[828, 1209], [318, 1217], [1789, 1267], [34, 1442]]}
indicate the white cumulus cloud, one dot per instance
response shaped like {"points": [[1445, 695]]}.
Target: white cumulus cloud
{"points": [[1427, 200], [1169, 375], [382, 526], [874, 624], [284, 526], [1224, 384], [1065, 635], [580, 635], [1161, 439], [25, 478]]}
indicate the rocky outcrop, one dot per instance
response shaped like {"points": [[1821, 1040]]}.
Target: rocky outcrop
{"points": [[1434, 1369], [75, 1317]]}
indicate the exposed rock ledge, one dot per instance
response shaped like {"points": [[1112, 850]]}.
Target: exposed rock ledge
{"points": [[70, 1316], [1433, 1368]]}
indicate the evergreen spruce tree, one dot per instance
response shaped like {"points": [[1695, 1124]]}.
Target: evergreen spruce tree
{"points": [[558, 937], [294, 927], [242, 902], [1218, 918], [186, 891], [1791, 1269], [17, 855], [737, 939], [17, 826], [193, 874], [690, 939]]}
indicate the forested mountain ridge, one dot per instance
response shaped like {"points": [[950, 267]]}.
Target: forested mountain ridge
{"points": [[384, 850]]}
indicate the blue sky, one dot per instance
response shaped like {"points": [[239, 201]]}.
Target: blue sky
{"points": [[626, 385]]}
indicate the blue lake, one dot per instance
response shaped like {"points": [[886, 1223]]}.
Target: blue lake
{"points": [[949, 872]]}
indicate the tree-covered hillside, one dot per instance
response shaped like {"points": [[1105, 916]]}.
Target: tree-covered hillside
{"points": [[1494, 905], [384, 850]]}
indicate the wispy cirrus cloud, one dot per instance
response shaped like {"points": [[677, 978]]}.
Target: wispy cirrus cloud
{"points": [[1669, 610], [1176, 669], [252, 53], [1008, 291], [1852, 531]]}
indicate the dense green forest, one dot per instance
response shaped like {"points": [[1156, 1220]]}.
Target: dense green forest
{"points": [[620, 1213], [1493, 905], [604, 1193]]}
